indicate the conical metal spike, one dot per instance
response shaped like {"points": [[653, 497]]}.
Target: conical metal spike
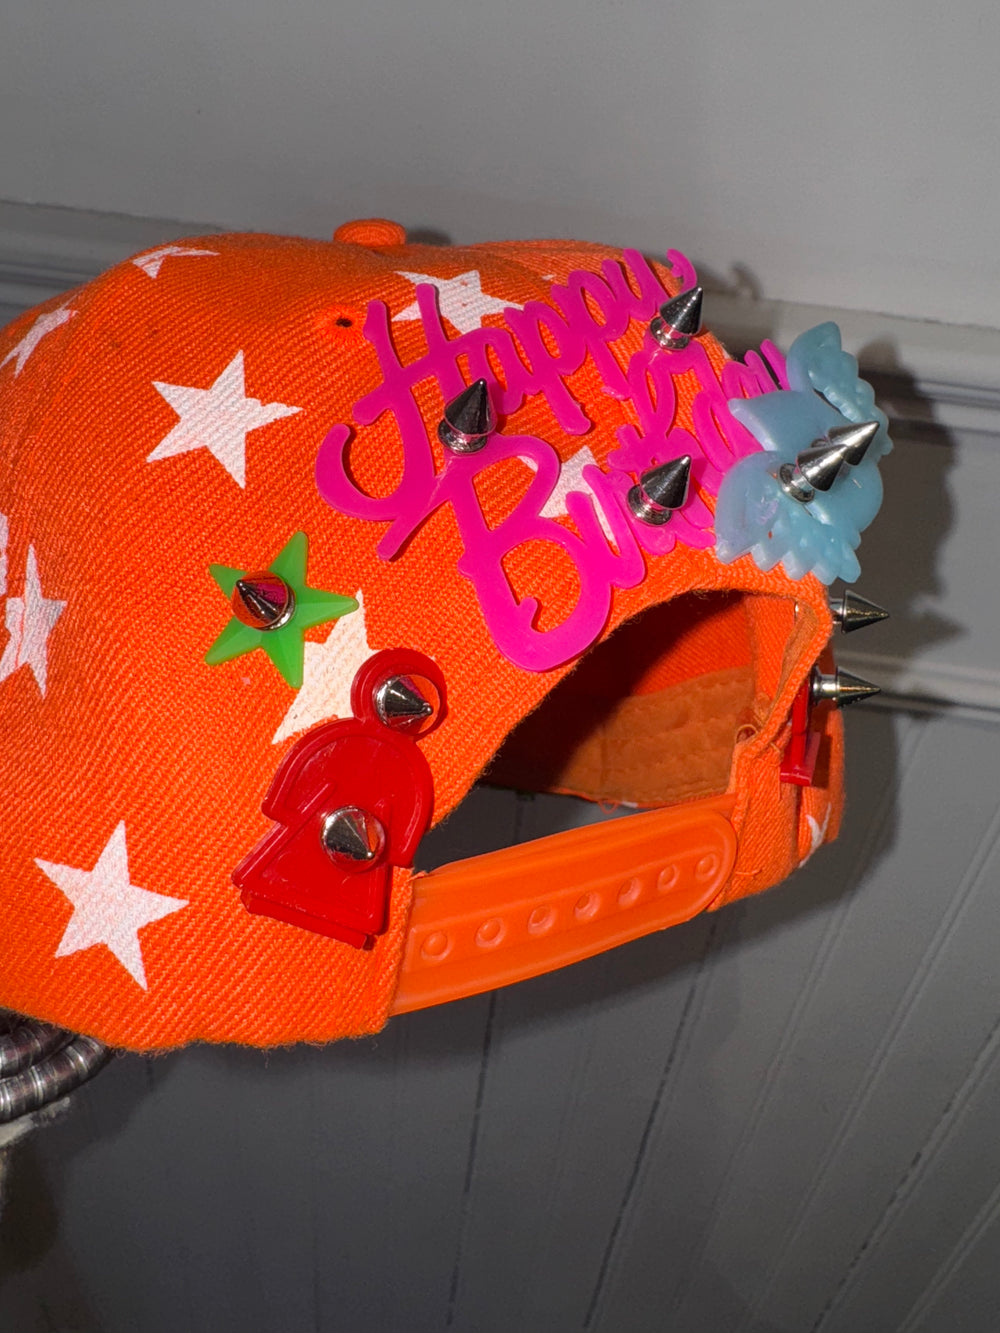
{"points": [[353, 837], [845, 445], [840, 689], [819, 466], [679, 320], [263, 601], [469, 420], [852, 611], [854, 438], [661, 490], [401, 705]]}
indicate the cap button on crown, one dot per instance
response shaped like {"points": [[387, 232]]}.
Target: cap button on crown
{"points": [[373, 233]]}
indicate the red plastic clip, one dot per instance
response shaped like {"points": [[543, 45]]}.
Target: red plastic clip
{"points": [[350, 800], [798, 764]]}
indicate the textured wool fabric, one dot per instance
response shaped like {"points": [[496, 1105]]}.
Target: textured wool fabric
{"points": [[167, 417]]}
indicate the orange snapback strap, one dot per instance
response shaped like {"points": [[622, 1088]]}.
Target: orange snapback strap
{"points": [[521, 911]]}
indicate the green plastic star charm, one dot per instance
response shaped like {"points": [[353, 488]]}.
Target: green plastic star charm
{"points": [[283, 642]]}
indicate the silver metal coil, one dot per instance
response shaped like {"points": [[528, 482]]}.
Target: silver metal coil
{"points": [[27, 1042], [53, 1077]]}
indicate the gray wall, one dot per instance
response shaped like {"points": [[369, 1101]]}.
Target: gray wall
{"points": [[844, 154]]}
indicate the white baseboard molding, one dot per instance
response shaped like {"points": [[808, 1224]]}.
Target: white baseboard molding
{"points": [[946, 374], [928, 372], [45, 250], [928, 686]]}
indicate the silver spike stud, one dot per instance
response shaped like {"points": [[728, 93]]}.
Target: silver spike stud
{"points": [[469, 420], [679, 320], [401, 705], [353, 837], [840, 689], [263, 600], [852, 611], [660, 491], [819, 466]]}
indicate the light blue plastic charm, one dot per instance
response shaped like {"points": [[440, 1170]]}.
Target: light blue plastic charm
{"points": [[817, 361], [756, 514]]}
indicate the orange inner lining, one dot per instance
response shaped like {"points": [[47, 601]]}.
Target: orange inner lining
{"points": [[651, 716]]}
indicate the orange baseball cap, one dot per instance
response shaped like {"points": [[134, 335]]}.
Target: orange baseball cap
{"points": [[301, 539]]}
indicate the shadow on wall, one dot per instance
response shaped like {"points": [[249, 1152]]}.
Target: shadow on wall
{"points": [[902, 547], [41, 1286]]}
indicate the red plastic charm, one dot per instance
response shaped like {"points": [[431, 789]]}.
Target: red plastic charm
{"points": [[798, 764], [350, 800]]}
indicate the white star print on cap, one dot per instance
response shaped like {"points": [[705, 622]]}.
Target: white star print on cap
{"points": [[44, 324], [152, 261], [462, 299], [107, 908], [817, 832], [29, 621], [328, 672], [571, 479], [217, 419]]}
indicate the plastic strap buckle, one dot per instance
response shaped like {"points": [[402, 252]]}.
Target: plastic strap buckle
{"points": [[515, 913]]}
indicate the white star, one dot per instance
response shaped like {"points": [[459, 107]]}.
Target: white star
{"points": [[107, 908], [152, 261], [29, 621], [571, 479], [328, 672], [462, 299], [43, 324], [817, 832], [217, 419]]}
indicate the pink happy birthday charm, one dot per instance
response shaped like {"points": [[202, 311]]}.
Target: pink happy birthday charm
{"points": [[552, 341]]}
